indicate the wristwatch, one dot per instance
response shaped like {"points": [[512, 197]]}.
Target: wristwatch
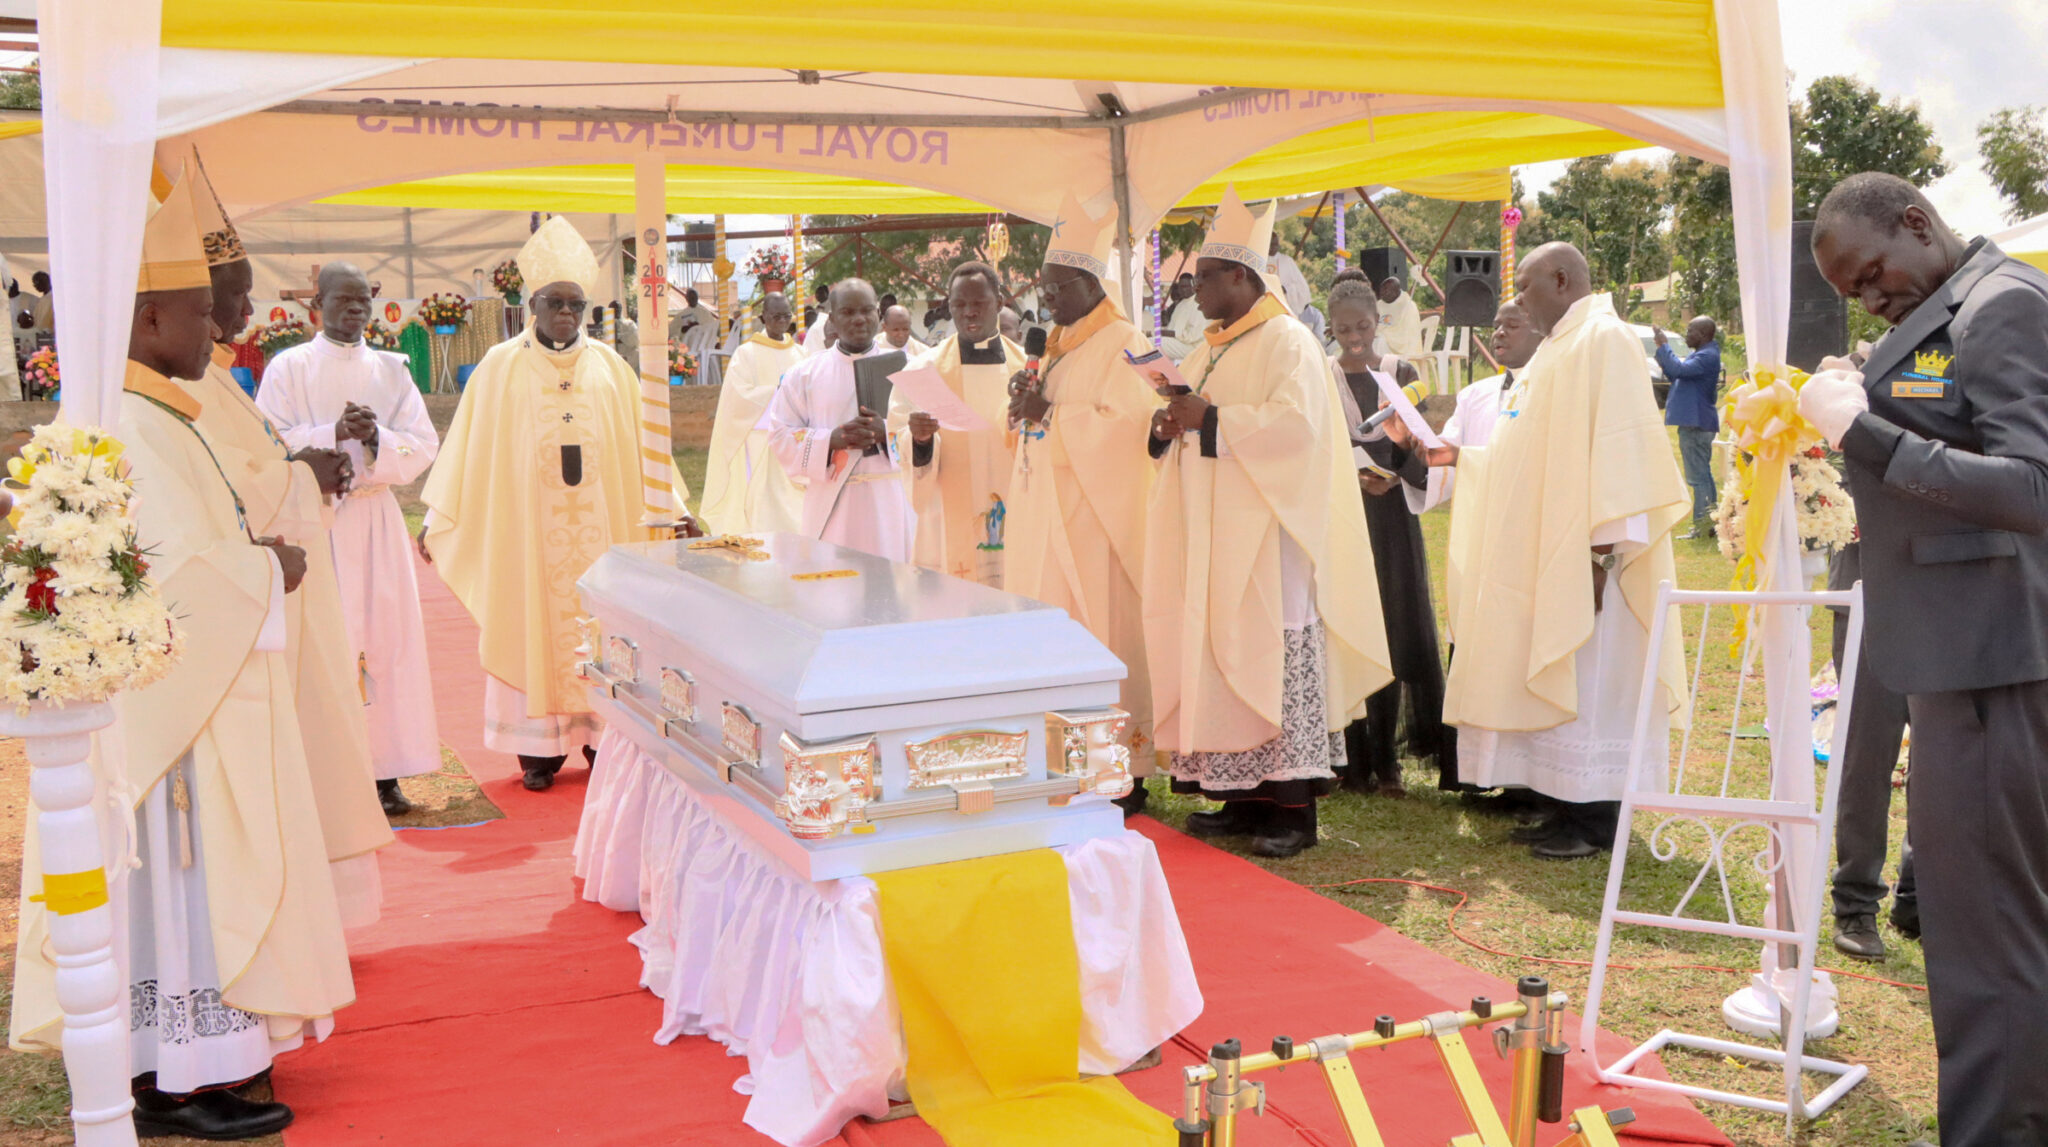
{"points": [[1607, 561]]}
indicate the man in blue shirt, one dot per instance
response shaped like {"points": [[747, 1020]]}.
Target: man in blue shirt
{"points": [[1695, 387]]}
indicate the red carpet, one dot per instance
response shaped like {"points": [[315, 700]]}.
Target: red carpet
{"points": [[496, 1007]]}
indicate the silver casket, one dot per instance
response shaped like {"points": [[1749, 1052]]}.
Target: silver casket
{"points": [[854, 714]]}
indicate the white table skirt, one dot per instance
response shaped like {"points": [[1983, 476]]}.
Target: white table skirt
{"points": [[790, 974]]}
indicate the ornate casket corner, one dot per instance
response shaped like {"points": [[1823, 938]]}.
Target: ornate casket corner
{"points": [[826, 787], [1088, 745]]}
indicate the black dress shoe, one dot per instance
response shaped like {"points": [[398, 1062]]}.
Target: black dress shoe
{"points": [[1235, 818], [590, 755], [1537, 833], [219, 1116], [1567, 843], [540, 771], [1133, 802], [1289, 832], [1857, 936], [392, 799], [1906, 918]]}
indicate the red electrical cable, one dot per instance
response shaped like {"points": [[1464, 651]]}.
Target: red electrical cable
{"points": [[1464, 898]]}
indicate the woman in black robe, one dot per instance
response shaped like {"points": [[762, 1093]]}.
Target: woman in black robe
{"points": [[1410, 710]]}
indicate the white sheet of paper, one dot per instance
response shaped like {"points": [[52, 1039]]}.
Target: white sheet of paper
{"points": [[926, 389], [1405, 411]]}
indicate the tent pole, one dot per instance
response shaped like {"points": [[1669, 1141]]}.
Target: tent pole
{"points": [[410, 293], [1120, 181], [650, 219]]}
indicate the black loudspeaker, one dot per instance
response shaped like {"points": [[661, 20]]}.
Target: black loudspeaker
{"points": [[1471, 288], [1820, 317], [1383, 263]]}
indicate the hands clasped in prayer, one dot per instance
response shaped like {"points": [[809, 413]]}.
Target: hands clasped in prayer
{"points": [[290, 557], [331, 468]]}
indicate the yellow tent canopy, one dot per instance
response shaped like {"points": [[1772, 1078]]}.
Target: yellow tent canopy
{"points": [[1662, 52]]}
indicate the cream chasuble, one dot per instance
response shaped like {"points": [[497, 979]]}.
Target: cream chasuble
{"points": [[224, 716], [283, 498], [745, 488], [961, 496], [305, 391], [538, 476], [1579, 447], [1213, 565], [1075, 536]]}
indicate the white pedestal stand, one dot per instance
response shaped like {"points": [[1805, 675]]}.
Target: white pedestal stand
{"points": [[90, 986]]}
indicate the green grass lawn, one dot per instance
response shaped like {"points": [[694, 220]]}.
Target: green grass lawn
{"points": [[1538, 908]]}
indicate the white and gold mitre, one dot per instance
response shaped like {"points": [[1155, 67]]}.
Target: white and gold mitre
{"points": [[1240, 234], [1080, 240], [557, 254], [173, 259]]}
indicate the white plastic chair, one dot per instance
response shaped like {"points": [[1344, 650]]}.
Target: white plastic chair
{"points": [[1429, 326], [1450, 358]]}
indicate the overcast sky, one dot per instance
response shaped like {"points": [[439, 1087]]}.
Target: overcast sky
{"points": [[1960, 59]]}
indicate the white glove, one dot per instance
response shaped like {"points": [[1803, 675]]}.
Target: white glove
{"points": [[1831, 400]]}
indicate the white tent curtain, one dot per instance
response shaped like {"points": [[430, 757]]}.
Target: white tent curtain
{"points": [[101, 139]]}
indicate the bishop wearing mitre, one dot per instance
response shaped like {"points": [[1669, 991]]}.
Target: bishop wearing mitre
{"points": [[235, 940], [1262, 633], [540, 474], [1576, 495], [285, 496], [745, 487], [960, 483], [1075, 537]]}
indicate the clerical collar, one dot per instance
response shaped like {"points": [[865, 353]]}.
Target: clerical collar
{"points": [[762, 338], [870, 349], [984, 353], [548, 344], [339, 349]]}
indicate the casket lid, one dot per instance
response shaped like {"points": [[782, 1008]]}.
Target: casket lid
{"points": [[891, 634]]}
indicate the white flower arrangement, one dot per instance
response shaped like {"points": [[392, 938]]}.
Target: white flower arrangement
{"points": [[1827, 515], [79, 618]]}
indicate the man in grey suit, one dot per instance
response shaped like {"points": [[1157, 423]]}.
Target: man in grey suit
{"points": [[1945, 432]]}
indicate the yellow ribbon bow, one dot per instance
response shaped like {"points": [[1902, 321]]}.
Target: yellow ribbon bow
{"points": [[1762, 419]]}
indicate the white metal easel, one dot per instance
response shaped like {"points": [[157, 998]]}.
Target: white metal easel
{"points": [[1798, 840]]}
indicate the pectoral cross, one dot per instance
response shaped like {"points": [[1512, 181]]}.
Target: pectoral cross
{"points": [[734, 546]]}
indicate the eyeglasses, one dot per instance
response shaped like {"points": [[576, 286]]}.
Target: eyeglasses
{"points": [[573, 306]]}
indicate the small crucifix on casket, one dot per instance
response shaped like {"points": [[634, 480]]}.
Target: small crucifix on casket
{"points": [[734, 546]]}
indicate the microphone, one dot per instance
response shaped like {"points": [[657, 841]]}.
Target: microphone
{"points": [[1415, 391], [1034, 349]]}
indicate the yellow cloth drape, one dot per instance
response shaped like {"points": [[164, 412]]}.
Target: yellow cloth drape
{"points": [[1650, 52], [994, 1064]]}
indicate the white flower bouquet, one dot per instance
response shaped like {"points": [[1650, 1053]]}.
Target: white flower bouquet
{"points": [[1827, 515], [79, 618]]}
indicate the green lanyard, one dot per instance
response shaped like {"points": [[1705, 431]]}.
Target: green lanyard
{"points": [[1216, 358], [241, 513]]}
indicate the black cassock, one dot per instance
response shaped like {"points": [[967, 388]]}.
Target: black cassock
{"points": [[1410, 711]]}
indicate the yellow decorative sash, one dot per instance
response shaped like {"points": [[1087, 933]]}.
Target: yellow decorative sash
{"points": [[1065, 339], [762, 339], [981, 953]]}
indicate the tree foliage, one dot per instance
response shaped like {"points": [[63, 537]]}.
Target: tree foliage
{"points": [[1614, 212], [1843, 127], [2014, 147], [21, 91], [1703, 242], [915, 264]]}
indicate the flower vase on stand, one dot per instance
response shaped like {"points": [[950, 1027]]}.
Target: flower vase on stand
{"points": [[90, 985]]}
